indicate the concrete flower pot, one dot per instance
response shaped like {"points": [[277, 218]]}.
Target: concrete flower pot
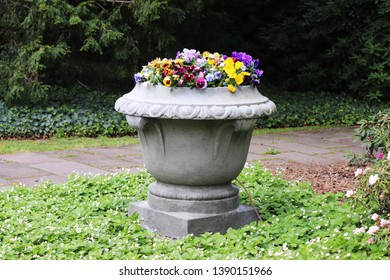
{"points": [[194, 142]]}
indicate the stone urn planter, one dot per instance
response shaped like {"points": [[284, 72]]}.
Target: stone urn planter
{"points": [[194, 143]]}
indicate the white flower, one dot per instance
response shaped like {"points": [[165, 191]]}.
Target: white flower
{"points": [[373, 229], [375, 217], [388, 155], [358, 230], [384, 223], [358, 172], [349, 193], [373, 179]]}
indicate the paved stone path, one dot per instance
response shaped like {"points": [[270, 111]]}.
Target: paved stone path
{"points": [[318, 146]]}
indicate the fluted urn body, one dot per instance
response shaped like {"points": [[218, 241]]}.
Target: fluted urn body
{"points": [[194, 142]]}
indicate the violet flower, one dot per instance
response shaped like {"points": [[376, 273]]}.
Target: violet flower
{"points": [[189, 55], [210, 77], [138, 77]]}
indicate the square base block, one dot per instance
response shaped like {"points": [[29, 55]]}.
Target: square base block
{"points": [[180, 224]]}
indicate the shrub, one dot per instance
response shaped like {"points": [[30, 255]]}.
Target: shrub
{"points": [[373, 186], [79, 113], [374, 132], [329, 45], [295, 109]]}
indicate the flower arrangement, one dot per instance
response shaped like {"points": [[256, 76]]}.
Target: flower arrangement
{"points": [[198, 70]]}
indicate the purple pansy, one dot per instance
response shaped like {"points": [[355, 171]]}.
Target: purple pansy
{"points": [[138, 77], [259, 72], [189, 55], [201, 62], [210, 77], [246, 59], [218, 75]]}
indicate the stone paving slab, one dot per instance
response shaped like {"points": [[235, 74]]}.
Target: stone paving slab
{"points": [[115, 152], [305, 158], [95, 160], [318, 146], [11, 170], [264, 149], [28, 158], [297, 147], [64, 168], [321, 143]]}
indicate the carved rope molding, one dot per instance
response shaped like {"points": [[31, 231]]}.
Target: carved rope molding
{"points": [[197, 112]]}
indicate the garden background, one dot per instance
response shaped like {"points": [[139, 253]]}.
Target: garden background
{"points": [[64, 63]]}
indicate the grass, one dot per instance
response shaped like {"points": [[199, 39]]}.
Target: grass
{"points": [[54, 144], [86, 218], [261, 131], [271, 152]]}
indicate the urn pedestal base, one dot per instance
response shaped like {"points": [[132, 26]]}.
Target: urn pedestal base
{"points": [[179, 210], [180, 224]]}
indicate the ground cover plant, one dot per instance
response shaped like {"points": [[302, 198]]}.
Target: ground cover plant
{"points": [[86, 218], [77, 113], [298, 109], [81, 113]]}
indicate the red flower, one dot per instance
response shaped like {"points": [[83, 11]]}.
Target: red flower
{"points": [[188, 77], [190, 68]]}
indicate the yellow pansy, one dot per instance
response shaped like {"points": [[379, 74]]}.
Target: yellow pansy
{"points": [[179, 61], [167, 81], [241, 77], [155, 62], [206, 54], [229, 62], [216, 56], [232, 88], [165, 63], [211, 61], [238, 65], [230, 68]]}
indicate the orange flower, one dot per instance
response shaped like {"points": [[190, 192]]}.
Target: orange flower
{"points": [[155, 63], [167, 72], [165, 63]]}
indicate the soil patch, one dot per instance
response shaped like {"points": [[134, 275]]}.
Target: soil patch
{"points": [[336, 177]]}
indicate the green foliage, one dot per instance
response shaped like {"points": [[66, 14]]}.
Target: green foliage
{"points": [[339, 45], [295, 109], [374, 182], [373, 187], [99, 43], [77, 114], [374, 132], [86, 218]]}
